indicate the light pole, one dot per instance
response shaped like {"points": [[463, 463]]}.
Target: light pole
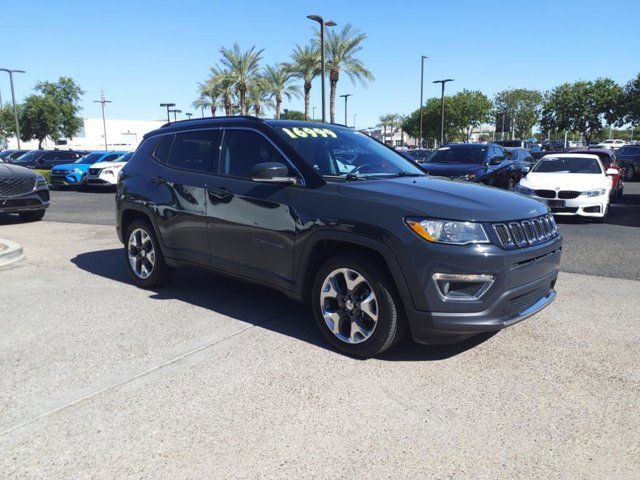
{"points": [[13, 99], [168, 105], [442, 82], [175, 111], [354, 121], [103, 100], [346, 97], [189, 115], [421, 89], [314, 113], [323, 24]]}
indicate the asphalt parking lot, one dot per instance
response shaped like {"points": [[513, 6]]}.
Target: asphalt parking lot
{"points": [[212, 378]]}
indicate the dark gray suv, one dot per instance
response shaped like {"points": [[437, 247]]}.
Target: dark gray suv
{"points": [[334, 218]]}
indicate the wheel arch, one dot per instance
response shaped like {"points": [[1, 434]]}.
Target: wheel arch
{"points": [[133, 212]]}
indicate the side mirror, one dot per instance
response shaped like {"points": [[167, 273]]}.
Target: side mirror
{"points": [[612, 171], [271, 172]]}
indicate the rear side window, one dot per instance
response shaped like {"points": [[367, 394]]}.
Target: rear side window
{"points": [[110, 158], [164, 147], [196, 151], [146, 148], [243, 149]]}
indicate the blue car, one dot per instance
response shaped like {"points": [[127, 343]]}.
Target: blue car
{"points": [[71, 174]]}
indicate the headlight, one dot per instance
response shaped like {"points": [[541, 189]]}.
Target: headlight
{"points": [[41, 181], [524, 190], [107, 172], [448, 231], [594, 193]]}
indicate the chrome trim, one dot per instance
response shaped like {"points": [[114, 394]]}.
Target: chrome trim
{"points": [[468, 278]]}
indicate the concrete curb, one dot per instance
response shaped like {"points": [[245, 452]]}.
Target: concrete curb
{"points": [[12, 254]]}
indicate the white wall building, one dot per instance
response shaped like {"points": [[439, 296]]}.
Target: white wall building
{"points": [[121, 135]]}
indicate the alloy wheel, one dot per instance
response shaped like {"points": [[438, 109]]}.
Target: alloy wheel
{"points": [[141, 254], [349, 305]]}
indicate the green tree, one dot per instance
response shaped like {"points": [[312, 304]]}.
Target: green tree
{"points": [[305, 65], [430, 121], [523, 106], [242, 68], [342, 48], [582, 107], [209, 98], [630, 102], [468, 109], [258, 96], [39, 119], [388, 120], [278, 78], [293, 115], [7, 123], [65, 94]]}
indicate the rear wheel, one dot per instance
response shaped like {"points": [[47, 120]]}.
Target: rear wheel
{"points": [[356, 307], [145, 262], [32, 216], [629, 173]]}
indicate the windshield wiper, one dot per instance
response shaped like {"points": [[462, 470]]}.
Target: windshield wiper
{"points": [[349, 177], [407, 174]]}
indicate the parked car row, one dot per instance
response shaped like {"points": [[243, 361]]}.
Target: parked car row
{"points": [[102, 166]]}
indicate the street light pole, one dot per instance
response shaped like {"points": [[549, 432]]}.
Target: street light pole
{"points": [[421, 89], [13, 99], [323, 24], [168, 105], [354, 121], [175, 111], [314, 113], [189, 115], [442, 82], [103, 100], [346, 97]]}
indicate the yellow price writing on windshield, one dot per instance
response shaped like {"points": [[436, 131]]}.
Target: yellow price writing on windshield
{"points": [[306, 132]]}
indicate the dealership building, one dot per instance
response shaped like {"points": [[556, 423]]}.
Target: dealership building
{"points": [[121, 135]]}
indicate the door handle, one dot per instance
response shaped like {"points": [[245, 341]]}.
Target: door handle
{"points": [[219, 193], [158, 180]]}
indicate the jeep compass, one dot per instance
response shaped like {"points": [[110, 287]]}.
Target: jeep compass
{"points": [[334, 218]]}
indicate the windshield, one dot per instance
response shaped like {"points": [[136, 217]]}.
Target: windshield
{"points": [[458, 154], [567, 165], [343, 153], [629, 151], [510, 143], [124, 158], [91, 158], [29, 156]]}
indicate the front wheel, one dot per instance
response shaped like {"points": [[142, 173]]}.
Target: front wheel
{"points": [[145, 262], [629, 173], [356, 307], [603, 218]]}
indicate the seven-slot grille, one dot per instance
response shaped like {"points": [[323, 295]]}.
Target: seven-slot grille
{"points": [[16, 186], [526, 232]]}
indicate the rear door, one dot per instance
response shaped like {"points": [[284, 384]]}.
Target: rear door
{"points": [[251, 225], [187, 162]]}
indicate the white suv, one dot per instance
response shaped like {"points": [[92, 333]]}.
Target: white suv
{"points": [[106, 173], [612, 144]]}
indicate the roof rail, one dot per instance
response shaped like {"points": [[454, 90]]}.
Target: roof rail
{"points": [[200, 120]]}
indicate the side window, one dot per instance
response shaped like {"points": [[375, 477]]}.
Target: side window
{"points": [[243, 149], [110, 158], [146, 148], [161, 152], [196, 151]]}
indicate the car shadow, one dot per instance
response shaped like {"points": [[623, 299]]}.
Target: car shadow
{"points": [[247, 302], [12, 219]]}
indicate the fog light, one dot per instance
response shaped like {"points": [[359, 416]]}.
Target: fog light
{"points": [[460, 287]]}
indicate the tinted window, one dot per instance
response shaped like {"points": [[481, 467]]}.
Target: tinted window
{"points": [[629, 151], [90, 159], [164, 147], [110, 158], [196, 151], [458, 154], [243, 149], [146, 148], [567, 165], [29, 156]]}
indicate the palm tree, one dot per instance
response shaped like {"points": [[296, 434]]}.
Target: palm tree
{"points": [[342, 48], [209, 98], [242, 68], [278, 78], [221, 82], [258, 95], [385, 121], [305, 65]]}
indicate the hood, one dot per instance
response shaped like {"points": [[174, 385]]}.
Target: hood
{"points": [[565, 181], [447, 199], [108, 164], [452, 169], [71, 166], [8, 169]]}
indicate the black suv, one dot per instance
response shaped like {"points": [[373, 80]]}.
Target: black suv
{"points": [[474, 162], [332, 217], [23, 191], [47, 159]]}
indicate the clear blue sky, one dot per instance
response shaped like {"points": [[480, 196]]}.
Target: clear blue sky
{"points": [[146, 52]]}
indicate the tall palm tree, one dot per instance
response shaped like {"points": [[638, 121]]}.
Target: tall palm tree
{"points": [[258, 95], [341, 56], [242, 67], [278, 78], [305, 65], [209, 98], [384, 121]]}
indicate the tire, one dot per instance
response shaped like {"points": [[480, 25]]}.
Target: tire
{"points": [[629, 173], [32, 216], [511, 186], [366, 277], [151, 269]]}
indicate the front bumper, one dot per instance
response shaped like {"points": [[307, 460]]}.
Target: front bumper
{"points": [[69, 179], [581, 206], [36, 200], [103, 178]]}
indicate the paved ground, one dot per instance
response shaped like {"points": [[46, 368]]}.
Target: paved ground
{"points": [[211, 378]]}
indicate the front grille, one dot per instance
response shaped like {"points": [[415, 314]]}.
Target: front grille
{"points": [[568, 194], [526, 232], [545, 193], [16, 186], [14, 203], [512, 308], [564, 209], [94, 171]]}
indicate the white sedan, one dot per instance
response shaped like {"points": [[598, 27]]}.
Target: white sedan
{"points": [[612, 144], [106, 173], [571, 184]]}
